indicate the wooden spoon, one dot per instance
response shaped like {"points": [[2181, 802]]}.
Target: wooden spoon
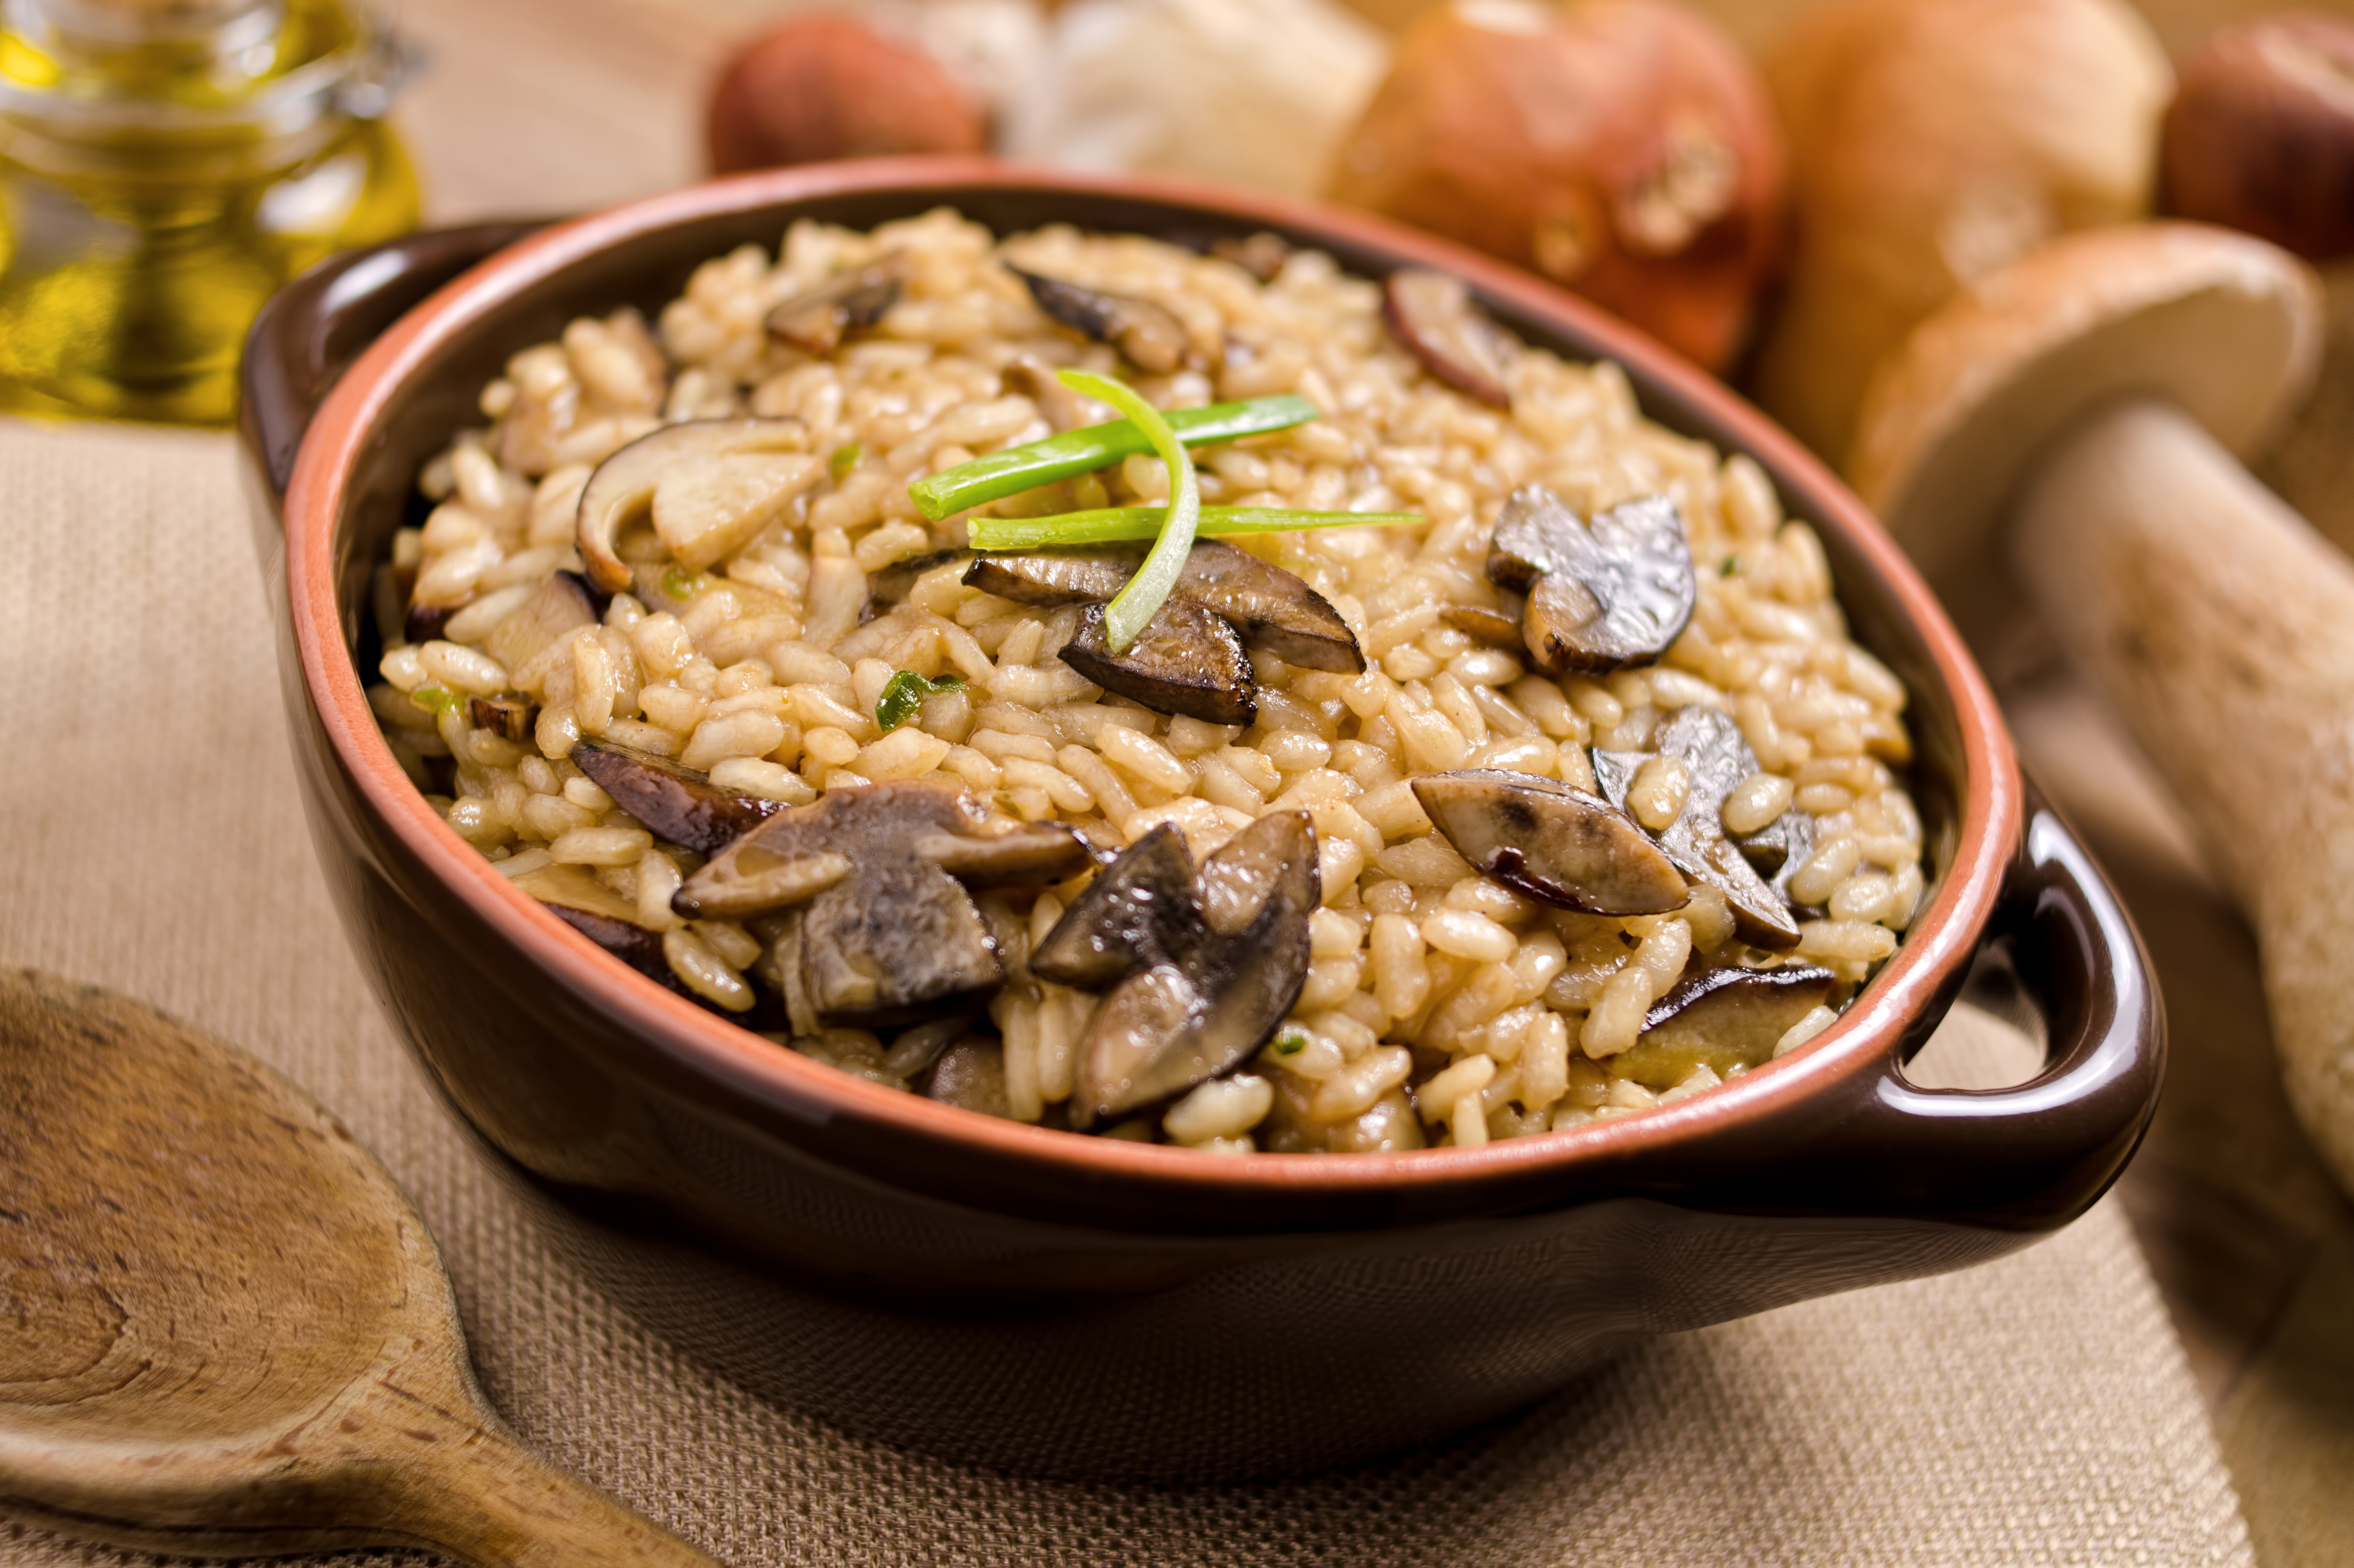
{"points": [[227, 1331]]}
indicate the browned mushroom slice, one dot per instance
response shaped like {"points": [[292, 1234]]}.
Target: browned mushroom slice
{"points": [[1272, 609], [895, 941], [1556, 844], [1722, 1019], [509, 718], [1601, 597], [1152, 339], [711, 485], [1032, 377], [425, 622], [814, 323], [1493, 627], [1434, 314], [1141, 911], [1711, 745], [803, 850], [1768, 849], [1198, 1010], [562, 605], [626, 939], [674, 802], [1262, 254], [1186, 660], [898, 581], [970, 1073]]}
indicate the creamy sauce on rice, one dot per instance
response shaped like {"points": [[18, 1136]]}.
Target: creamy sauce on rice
{"points": [[1440, 1006]]}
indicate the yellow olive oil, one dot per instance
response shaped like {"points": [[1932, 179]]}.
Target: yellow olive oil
{"points": [[165, 165]]}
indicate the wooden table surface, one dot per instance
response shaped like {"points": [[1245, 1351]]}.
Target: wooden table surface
{"points": [[537, 107]]}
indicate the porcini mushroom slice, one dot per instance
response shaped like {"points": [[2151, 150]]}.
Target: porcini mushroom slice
{"points": [[893, 942], [710, 483], [814, 323], [626, 939], [1142, 910], [1711, 745], [1152, 338], [674, 802], [561, 604], [803, 850], [1554, 844], [1272, 609], [1216, 993], [894, 582], [1493, 627], [970, 1073], [1722, 1019], [1601, 595], [509, 718], [1434, 314], [1186, 662]]}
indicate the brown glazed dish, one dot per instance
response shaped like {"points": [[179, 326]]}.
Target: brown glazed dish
{"points": [[1112, 1308]]}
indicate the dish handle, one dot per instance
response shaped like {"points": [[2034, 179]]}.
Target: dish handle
{"points": [[2024, 1157], [309, 331]]}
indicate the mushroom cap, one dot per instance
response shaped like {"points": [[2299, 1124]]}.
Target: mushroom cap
{"points": [[2225, 326]]}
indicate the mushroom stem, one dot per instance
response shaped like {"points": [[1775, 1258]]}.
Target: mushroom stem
{"points": [[2222, 628]]}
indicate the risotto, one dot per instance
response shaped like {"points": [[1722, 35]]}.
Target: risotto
{"points": [[1494, 760]]}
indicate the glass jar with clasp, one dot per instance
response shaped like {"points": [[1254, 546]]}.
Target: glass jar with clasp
{"points": [[165, 165]]}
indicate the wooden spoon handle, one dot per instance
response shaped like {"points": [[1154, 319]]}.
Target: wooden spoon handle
{"points": [[496, 1504], [2222, 628]]}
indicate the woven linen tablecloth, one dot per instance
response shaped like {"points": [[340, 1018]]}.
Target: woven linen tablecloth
{"points": [[2036, 1410]]}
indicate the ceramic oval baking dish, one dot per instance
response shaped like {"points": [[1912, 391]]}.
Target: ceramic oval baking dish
{"points": [[1160, 1312]]}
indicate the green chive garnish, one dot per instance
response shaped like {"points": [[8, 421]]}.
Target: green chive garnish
{"points": [[845, 459], [1133, 607], [1114, 525], [677, 584], [1291, 1042], [1083, 450], [904, 692], [435, 699]]}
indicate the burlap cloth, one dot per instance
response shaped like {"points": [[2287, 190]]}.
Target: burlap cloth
{"points": [[2033, 1411]]}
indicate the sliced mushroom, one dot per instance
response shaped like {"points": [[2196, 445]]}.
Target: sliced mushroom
{"points": [[1152, 339], [674, 802], [1493, 627], [509, 718], [970, 1073], [425, 622], [1554, 844], [626, 939], [885, 931], [1272, 609], [1434, 314], [893, 942], [814, 323], [1711, 745], [711, 484], [1722, 1019], [1142, 910], [1768, 849], [1601, 597], [562, 605], [1262, 254], [1186, 660], [898, 581], [1032, 377], [1212, 964]]}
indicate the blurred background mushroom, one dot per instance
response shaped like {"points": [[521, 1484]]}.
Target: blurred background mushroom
{"points": [[1932, 141], [1623, 148]]}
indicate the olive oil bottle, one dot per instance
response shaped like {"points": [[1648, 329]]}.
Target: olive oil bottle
{"points": [[165, 165]]}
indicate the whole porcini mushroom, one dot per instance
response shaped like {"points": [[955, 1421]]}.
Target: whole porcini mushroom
{"points": [[1623, 148], [2095, 397], [828, 85], [1932, 141], [2261, 133]]}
